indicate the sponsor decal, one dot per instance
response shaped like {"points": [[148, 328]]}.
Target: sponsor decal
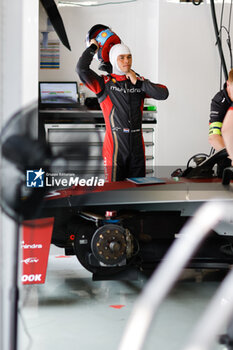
{"points": [[106, 78], [30, 260], [31, 246], [35, 245], [116, 128], [124, 90], [32, 278]]}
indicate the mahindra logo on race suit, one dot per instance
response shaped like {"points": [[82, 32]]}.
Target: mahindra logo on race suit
{"points": [[30, 260], [125, 90]]}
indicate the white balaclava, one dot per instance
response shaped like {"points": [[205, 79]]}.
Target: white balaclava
{"points": [[115, 51]]}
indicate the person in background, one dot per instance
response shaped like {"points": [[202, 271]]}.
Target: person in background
{"points": [[227, 132], [220, 104], [121, 95]]}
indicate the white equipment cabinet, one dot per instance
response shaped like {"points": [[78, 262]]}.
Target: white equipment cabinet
{"points": [[87, 128]]}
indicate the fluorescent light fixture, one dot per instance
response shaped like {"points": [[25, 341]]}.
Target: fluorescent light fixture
{"points": [[86, 3], [207, 1], [76, 4]]}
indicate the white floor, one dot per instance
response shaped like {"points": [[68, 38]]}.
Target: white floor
{"points": [[70, 311]]}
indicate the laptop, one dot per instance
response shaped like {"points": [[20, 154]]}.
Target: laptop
{"points": [[55, 95]]}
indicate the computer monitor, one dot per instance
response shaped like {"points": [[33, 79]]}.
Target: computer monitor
{"points": [[62, 94]]}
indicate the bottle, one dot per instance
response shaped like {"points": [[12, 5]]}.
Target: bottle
{"points": [[81, 94]]}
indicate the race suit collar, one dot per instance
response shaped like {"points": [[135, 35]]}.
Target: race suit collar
{"points": [[119, 77]]}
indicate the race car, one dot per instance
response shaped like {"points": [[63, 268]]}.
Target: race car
{"points": [[123, 228]]}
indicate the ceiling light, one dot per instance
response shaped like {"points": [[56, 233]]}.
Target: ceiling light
{"points": [[77, 3], [84, 3]]}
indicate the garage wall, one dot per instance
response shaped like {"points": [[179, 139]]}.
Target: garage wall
{"points": [[189, 63], [172, 43], [136, 24]]}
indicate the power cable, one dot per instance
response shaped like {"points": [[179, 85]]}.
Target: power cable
{"points": [[229, 41], [218, 42], [229, 23], [220, 36]]}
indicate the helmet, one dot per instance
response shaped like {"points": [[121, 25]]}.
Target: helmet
{"points": [[105, 37]]}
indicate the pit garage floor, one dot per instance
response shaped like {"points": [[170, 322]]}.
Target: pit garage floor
{"points": [[70, 311]]}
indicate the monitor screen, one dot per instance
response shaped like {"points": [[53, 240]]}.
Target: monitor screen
{"points": [[58, 93]]}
